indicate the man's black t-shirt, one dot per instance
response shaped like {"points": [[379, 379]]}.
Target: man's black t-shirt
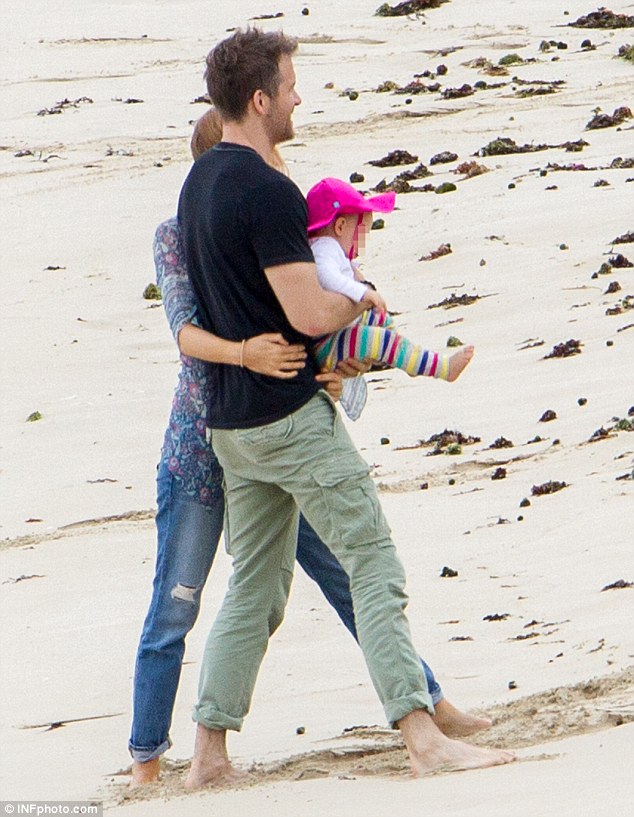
{"points": [[239, 216]]}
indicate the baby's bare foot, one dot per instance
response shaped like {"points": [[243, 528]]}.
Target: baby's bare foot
{"points": [[458, 362], [456, 724]]}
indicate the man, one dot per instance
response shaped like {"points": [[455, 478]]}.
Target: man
{"points": [[281, 443]]}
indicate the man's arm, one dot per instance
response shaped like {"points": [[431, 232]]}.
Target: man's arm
{"points": [[309, 308]]}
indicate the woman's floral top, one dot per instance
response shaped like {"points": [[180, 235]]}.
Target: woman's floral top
{"points": [[186, 451]]}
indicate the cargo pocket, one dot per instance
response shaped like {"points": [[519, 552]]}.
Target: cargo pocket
{"points": [[271, 433], [350, 506]]}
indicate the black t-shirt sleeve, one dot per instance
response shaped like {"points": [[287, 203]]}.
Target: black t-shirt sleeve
{"points": [[277, 213]]}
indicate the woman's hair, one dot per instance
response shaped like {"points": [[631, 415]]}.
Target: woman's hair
{"points": [[208, 132], [242, 64]]}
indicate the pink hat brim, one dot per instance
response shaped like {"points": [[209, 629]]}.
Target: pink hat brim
{"points": [[381, 203]]}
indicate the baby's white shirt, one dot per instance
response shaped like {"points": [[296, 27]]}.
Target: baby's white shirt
{"points": [[334, 270]]}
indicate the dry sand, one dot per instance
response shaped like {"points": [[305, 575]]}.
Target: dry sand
{"points": [[525, 631]]}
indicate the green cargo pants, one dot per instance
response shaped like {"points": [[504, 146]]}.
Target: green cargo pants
{"points": [[307, 461]]}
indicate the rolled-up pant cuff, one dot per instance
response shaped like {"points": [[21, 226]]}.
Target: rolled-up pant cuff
{"points": [[399, 708], [437, 696], [213, 719], [146, 754]]}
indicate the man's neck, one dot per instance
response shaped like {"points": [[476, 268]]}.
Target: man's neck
{"points": [[248, 135]]}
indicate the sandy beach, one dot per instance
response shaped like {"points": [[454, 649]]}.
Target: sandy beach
{"points": [[509, 492]]}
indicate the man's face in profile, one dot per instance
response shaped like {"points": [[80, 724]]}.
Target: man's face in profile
{"points": [[279, 121]]}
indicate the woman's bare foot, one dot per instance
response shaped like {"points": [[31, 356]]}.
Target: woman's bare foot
{"points": [[211, 763], [431, 751], [458, 362], [143, 774], [456, 724]]}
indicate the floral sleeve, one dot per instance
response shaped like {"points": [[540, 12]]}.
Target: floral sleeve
{"points": [[171, 277]]}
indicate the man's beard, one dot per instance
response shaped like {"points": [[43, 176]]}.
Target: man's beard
{"points": [[280, 131]]}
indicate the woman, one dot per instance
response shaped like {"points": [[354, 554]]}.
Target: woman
{"points": [[190, 501]]}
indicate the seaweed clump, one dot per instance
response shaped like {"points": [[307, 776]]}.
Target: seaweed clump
{"points": [[503, 146], [407, 7], [445, 187], [413, 88], [394, 158], [603, 18], [619, 424], [443, 249], [455, 300], [567, 349], [501, 442], [417, 87], [446, 441], [619, 584], [470, 169], [458, 93], [401, 183], [620, 261], [604, 120], [624, 305], [152, 293], [626, 238], [64, 104], [619, 163], [539, 90], [627, 52], [550, 487], [487, 67], [386, 87], [443, 157], [511, 59], [574, 147]]}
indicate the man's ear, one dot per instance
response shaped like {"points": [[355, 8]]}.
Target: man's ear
{"points": [[260, 102]]}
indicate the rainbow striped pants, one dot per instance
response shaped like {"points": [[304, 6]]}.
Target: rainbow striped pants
{"points": [[374, 337]]}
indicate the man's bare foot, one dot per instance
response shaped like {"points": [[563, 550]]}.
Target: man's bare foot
{"points": [[220, 774], [211, 763], [456, 724], [143, 774], [431, 751], [458, 362]]}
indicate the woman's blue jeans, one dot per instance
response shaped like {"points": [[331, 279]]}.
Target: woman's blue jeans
{"points": [[187, 539]]}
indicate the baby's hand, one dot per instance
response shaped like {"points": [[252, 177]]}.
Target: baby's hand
{"points": [[372, 297]]}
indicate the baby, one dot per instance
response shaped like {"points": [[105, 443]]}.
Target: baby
{"points": [[338, 219]]}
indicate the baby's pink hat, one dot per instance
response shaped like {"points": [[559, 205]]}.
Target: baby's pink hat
{"points": [[332, 197]]}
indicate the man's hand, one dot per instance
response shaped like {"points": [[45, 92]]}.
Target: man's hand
{"points": [[333, 383], [353, 367], [272, 355]]}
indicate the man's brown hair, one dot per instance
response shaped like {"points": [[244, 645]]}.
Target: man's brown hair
{"points": [[242, 64]]}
